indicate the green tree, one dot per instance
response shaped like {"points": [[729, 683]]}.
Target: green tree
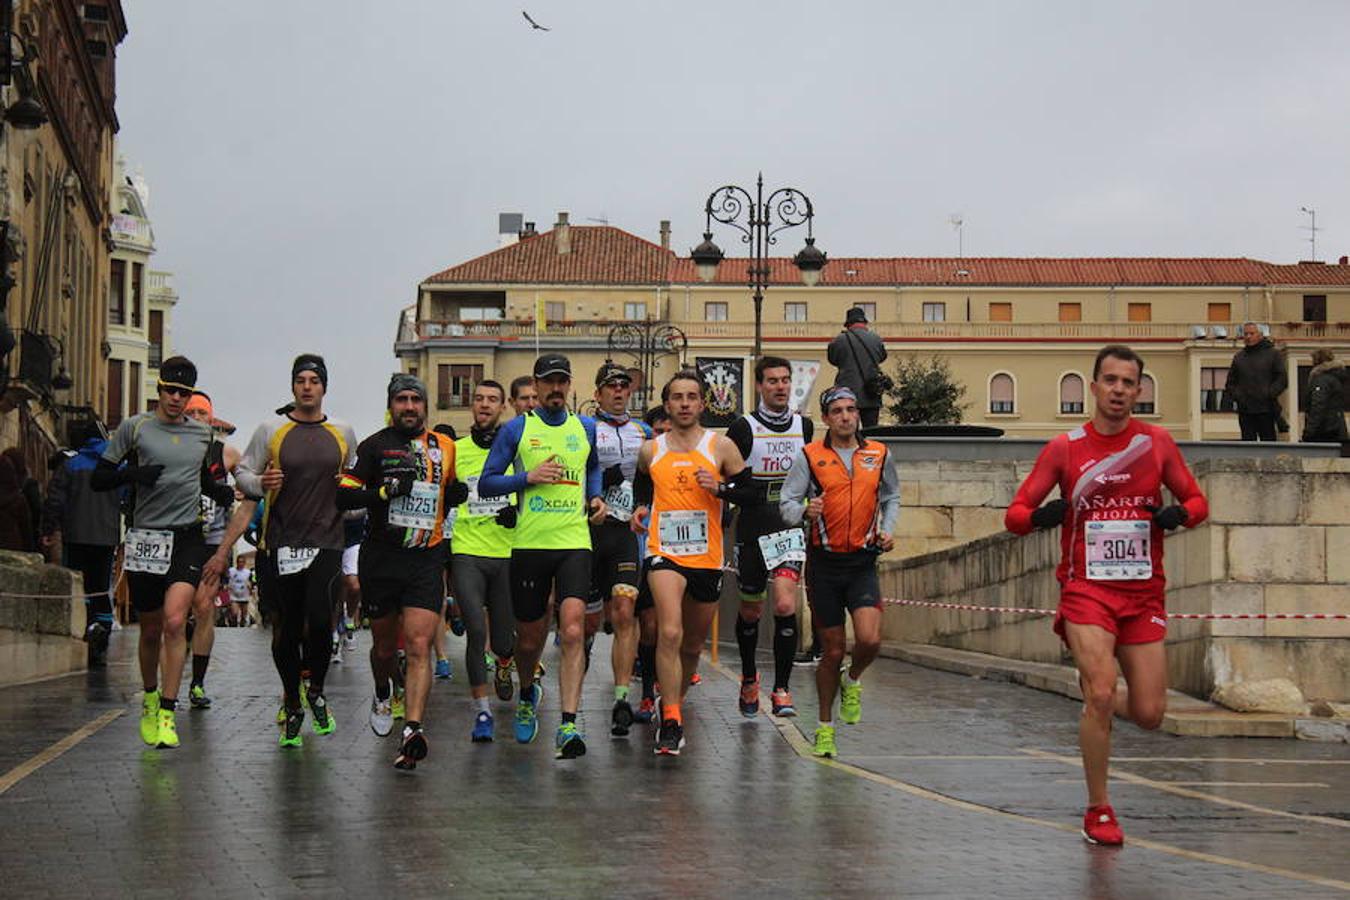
{"points": [[925, 392]]}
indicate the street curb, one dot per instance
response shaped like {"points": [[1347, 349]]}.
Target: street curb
{"points": [[1185, 717]]}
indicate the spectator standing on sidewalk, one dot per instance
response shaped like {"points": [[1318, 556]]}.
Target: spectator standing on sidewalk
{"points": [[1256, 379], [858, 354], [16, 524], [1327, 383], [88, 525]]}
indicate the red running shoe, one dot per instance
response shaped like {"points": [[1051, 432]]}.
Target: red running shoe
{"points": [[1100, 827]]}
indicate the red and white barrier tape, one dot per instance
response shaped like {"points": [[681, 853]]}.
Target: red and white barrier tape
{"points": [[1050, 612]]}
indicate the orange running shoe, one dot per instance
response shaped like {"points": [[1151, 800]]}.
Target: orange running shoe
{"points": [[749, 700]]}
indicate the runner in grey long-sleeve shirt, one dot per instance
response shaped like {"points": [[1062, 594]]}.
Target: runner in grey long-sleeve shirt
{"points": [[846, 488]]}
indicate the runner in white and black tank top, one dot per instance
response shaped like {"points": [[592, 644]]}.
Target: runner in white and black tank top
{"points": [[768, 439]]}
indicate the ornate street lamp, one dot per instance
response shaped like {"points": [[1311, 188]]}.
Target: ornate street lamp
{"points": [[759, 219], [646, 342]]}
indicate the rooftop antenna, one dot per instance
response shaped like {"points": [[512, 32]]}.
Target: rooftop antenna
{"points": [[602, 220], [1312, 230], [958, 222]]}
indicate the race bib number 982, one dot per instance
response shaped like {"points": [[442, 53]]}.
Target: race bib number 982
{"points": [[148, 550]]}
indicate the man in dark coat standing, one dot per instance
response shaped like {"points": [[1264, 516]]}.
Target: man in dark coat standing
{"points": [[1327, 383], [1256, 379], [858, 354]]}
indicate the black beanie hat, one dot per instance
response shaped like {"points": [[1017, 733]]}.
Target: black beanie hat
{"points": [[311, 362]]}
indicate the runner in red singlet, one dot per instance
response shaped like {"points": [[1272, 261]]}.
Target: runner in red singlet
{"points": [[1110, 474]]}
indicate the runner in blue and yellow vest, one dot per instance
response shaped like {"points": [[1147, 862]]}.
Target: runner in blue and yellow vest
{"points": [[558, 482], [480, 563]]}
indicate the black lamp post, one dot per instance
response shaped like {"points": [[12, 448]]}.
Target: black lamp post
{"points": [[646, 342], [26, 112], [759, 219]]}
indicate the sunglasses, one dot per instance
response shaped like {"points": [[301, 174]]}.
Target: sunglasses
{"points": [[176, 391]]}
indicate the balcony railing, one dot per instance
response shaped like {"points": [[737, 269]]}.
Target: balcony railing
{"points": [[436, 330], [154, 356]]}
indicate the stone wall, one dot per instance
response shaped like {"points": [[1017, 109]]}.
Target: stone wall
{"points": [[1277, 541], [39, 635]]}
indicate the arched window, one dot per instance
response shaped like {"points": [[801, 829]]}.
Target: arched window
{"points": [[1146, 405], [1001, 394], [1071, 395]]}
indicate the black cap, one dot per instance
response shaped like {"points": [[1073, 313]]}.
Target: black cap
{"points": [[854, 316], [612, 372], [552, 364]]}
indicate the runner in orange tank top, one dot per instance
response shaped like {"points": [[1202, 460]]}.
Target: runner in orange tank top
{"points": [[682, 479]]}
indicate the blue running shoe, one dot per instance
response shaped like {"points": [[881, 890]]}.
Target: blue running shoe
{"points": [[443, 672], [527, 714], [482, 728], [569, 742]]}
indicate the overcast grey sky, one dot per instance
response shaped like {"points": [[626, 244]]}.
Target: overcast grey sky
{"points": [[311, 161]]}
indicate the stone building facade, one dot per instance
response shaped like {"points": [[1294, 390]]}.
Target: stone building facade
{"points": [[1020, 334]]}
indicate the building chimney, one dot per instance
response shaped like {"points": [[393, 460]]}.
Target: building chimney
{"points": [[665, 234], [529, 231], [562, 235], [508, 228], [1345, 260]]}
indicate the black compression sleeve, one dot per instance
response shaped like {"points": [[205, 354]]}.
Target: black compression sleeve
{"points": [[105, 477], [643, 488], [742, 489]]}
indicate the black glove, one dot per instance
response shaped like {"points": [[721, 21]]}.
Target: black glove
{"points": [[611, 477], [397, 483], [142, 475], [221, 494], [1168, 517], [1051, 514], [457, 493], [506, 517]]}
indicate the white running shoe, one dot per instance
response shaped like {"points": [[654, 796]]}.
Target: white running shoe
{"points": [[381, 716], [351, 641]]}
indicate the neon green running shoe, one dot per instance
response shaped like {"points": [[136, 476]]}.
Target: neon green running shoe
{"points": [[399, 707], [166, 730], [825, 742], [197, 697], [323, 723], [281, 714], [850, 703], [290, 732], [150, 718]]}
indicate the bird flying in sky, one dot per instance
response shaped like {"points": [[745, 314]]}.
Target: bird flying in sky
{"points": [[533, 24]]}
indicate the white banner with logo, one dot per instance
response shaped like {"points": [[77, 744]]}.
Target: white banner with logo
{"points": [[804, 372]]}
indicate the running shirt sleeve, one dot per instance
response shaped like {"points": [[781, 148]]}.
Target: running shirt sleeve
{"points": [[792, 500], [359, 485], [1179, 480], [738, 432], [122, 441], [888, 495], [594, 476], [808, 430], [1044, 476], [248, 475], [494, 481]]}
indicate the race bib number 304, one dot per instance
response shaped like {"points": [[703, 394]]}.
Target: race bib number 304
{"points": [[416, 509], [782, 547], [148, 551], [683, 532], [1118, 551]]}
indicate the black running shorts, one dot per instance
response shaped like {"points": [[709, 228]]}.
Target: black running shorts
{"points": [[190, 553], [841, 583], [704, 585], [394, 578], [536, 573]]}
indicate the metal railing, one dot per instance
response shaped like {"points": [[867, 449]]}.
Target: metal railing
{"points": [[597, 330]]}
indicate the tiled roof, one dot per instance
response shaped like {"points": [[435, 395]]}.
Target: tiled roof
{"points": [[599, 255], [608, 255]]}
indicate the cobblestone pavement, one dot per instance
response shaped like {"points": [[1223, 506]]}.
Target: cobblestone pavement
{"points": [[950, 787]]}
